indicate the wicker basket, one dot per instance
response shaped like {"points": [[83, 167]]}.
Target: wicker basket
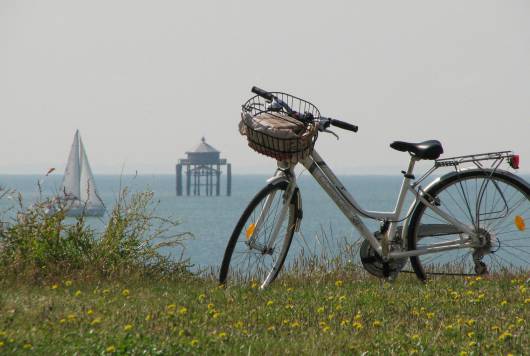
{"points": [[277, 135]]}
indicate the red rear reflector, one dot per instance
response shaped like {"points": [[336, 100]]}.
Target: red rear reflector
{"points": [[514, 161]]}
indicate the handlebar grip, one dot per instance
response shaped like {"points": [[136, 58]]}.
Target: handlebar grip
{"points": [[263, 93], [344, 125]]}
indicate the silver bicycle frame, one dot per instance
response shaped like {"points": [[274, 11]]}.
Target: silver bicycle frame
{"points": [[351, 209]]}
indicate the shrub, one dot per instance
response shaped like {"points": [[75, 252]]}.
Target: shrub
{"points": [[41, 243]]}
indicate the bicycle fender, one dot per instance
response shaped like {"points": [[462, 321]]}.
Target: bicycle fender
{"points": [[277, 179]]}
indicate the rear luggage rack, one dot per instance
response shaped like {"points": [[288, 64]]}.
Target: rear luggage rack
{"points": [[496, 157]]}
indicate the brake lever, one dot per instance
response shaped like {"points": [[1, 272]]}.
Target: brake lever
{"points": [[331, 132]]}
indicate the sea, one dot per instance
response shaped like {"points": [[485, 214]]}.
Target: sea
{"points": [[211, 219]]}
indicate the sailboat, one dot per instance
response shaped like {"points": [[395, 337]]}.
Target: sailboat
{"points": [[78, 190]]}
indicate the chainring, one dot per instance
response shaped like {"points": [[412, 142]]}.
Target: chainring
{"points": [[374, 264]]}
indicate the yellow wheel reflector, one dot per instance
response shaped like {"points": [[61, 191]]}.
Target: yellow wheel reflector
{"points": [[519, 222], [250, 230]]}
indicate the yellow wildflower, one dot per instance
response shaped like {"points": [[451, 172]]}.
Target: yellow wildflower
{"points": [[295, 324], [357, 326], [210, 306], [342, 298], [271, 328], [71, 317], [470, 334], [289, 290], [338, 283], [254, 285], [96, 321], [111, 349], [201, 297], [78, 293], [89, 312], [106, 291], [127, 327], [183, 311], [27, 346], [358, 316], [125, 292], [472, 344], [62, 321], [270, 302], [320, 310], [519, 321], [326, 328], [377, 323], [415, 337], [527, 301], [1, 343], [68, 283], [194, 342], [470, 322], [430, 315], [55, 286], [505, 335], [504, 302], [344, 322], [463, 353], [222, 335], [216, 315]]}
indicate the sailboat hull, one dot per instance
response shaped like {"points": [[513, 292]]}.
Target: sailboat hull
{"points": [[97, 211]]}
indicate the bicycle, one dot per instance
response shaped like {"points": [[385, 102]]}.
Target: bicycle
{"points": [[470, 221]]}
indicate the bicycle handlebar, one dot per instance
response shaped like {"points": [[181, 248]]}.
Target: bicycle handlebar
{"points": [[300, 116], [344, 125], [263, 93]]}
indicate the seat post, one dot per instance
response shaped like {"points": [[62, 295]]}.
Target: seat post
{"points": [[407, 176]]}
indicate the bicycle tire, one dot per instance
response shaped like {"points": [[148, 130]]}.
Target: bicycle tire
{"points": [[249, 272], [505, 242]]}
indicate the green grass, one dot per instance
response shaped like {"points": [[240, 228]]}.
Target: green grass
{"points": [[295, 316]]}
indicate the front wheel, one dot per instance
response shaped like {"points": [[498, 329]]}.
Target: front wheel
{"points": [[253, 252], [495, 204]]}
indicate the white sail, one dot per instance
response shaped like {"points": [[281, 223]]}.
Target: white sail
{"points": [[79, 186], [87, 183], [70, 186]]}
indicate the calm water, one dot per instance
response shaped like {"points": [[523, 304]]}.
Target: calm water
{"points": [[211, 219]]}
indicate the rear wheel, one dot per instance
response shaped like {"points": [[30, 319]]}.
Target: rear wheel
{"points": [[495, 204], [250, 255]]}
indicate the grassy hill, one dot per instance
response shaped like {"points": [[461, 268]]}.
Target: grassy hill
{"points": [[325, 314]]}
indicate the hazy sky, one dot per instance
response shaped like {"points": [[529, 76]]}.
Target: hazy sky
{"points": [[144, 80]]}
